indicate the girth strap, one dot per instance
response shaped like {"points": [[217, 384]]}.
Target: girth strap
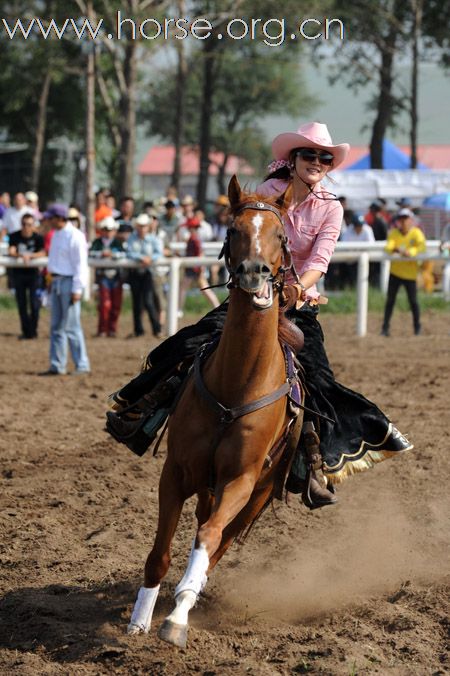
{"points": [[228, 415]]}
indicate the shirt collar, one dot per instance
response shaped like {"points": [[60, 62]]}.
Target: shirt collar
{"points": [[308, 198]]}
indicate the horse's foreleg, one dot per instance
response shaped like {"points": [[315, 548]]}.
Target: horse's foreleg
{"points": [[171, 501], [231, 498], [244, 519], [204, 507], [175, 626]]}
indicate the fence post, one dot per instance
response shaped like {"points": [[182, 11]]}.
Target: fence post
{"points": [[174, 293], [384, 276], [446, 281], [362, 299], [87, 292]]}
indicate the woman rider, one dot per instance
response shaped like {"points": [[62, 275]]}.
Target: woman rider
{"points": [[354, 434]]}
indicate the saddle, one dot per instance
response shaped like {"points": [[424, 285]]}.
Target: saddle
{"points": [[137, 426]]}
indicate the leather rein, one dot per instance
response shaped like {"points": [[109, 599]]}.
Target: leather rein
{"points": [[229, 415]]}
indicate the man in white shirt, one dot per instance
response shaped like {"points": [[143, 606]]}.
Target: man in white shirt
{"points": [[12, 219], [358, 231], [68, 265]]}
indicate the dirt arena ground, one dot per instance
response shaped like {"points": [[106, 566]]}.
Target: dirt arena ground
{"points": [[356, 589]]}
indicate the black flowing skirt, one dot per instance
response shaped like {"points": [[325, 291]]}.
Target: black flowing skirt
{"points": [[361, 434]]}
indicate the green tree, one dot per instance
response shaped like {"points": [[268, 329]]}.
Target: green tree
{"points": [[42, 98], [374, 38], [117, 74], [378, 35], [249, 84]]}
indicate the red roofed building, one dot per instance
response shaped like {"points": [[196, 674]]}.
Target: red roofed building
{"points": [[156, 169]]}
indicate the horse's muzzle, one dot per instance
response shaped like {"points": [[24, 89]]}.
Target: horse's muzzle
{"points": [[255, 277]]}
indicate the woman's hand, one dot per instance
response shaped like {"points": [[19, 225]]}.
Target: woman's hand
{"points": [[293, 295]]}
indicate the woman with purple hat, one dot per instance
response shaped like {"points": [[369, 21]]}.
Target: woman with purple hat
{"points": [[357, 434]]}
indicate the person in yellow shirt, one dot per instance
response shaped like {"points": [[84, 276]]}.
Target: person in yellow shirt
{"points": [[407, 240]]}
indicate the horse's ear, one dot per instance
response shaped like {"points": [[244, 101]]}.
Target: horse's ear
{"points": [[234, 191]]}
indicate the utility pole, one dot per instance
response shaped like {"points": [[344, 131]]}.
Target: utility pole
{"points": [[179, 103], [90, 132], [417, 10]]}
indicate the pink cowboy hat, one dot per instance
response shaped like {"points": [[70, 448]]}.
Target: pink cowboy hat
{"points": [[311, 135]]}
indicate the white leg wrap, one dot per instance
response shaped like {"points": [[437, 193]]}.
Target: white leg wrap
{"points": [[185, 600], [141, 616], [195, 577]]}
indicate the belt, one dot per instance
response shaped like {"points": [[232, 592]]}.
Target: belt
{"points": [[56, 276]]}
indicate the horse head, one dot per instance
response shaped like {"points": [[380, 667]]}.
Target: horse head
{"points": [[255, 249]]}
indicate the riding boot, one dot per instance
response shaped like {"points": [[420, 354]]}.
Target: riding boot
{"points": [[137, 425], [314, 493]]}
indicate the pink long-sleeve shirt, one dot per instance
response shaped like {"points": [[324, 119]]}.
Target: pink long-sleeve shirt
{"points": [[312, 228]]}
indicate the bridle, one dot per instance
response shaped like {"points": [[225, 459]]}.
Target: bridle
{"points": [[287, 264]]}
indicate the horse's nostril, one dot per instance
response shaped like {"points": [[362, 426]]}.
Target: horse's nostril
{"points": [[255, 268]]}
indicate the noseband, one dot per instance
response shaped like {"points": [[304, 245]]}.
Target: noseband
{"points": [[287, 263]]}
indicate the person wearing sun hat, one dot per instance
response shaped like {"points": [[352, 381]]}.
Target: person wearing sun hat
{"points": [[68, 266], [195, 275], [312, 221], [406, 240], [108, 280], [357, 434]]}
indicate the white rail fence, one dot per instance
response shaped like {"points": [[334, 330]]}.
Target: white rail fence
{"points": [[358, 252]]}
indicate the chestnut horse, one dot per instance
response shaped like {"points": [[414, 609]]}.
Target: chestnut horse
{"points": [[207, 446]]}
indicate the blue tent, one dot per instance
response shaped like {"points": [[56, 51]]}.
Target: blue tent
{"points": [[393, 158], [439, 201]]}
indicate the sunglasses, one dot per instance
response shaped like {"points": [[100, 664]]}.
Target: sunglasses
{"points": [[310, 155]]}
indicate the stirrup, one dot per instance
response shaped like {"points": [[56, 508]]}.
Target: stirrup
{"points": [[137, 425], [140, 433], [314, 495], [116, 402]]}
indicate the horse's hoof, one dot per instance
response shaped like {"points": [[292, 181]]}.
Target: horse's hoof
{"points": [[176, 634], [134, 629]]}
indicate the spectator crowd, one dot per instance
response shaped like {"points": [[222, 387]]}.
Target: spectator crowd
{"points": [[122, 232], [144, 235]]}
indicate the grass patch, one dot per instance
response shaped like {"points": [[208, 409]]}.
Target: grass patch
{"points": [[344, 302], [7, 302], [339, 302]]}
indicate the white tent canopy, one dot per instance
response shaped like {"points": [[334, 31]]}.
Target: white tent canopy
{"points": [[364, 186]]}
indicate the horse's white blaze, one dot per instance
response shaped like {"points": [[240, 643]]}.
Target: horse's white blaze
{"points": [[141, 617], [257, 222]]}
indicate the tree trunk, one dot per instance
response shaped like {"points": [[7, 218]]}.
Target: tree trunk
{"points": [[205, 123], [90, 139], [180, 100], [221, 175], [417, 19], [41, 125], [385, 100], [128, 123]]}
